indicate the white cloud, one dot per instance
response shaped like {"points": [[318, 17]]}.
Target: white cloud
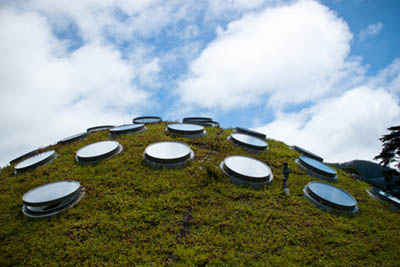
{"points": [[47, 93], [370, 31], [288, 54], [340, 128], [388, 78]]}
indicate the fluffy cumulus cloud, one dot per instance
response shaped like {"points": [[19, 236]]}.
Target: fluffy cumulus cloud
{"points": [[340, 128], [286, 54], [48, 92]]}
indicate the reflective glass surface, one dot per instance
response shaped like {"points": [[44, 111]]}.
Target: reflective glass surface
{"points": [[35, 159], [50, 192], [247, 166], [185, 127], [167, 150], [147, 119], [127, 127], [305, 151], [97, 149], [251, 132], [332, 194], [199, 119], [248, 139], [76, 136], [392, 198], [99, 128], [318, 165]]}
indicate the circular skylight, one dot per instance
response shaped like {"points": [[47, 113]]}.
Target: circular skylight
{"points": [[73, 138], [185, 129], [317, 169], [31, 153], [249, 142], [147, 120], [245, 170], [167, 154], [99, 128], [330, 198], [250, 132], [97, 151], [35, 161], [199, 119], [126, 129], [386, 197], [50, 199], [307, 153], [203, 121]]}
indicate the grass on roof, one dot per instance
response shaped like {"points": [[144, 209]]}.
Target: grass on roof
{"points": [[134, 215]]}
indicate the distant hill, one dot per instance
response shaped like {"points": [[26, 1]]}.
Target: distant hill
{"points": [[371, 173], [367, 169], [194, 216]]}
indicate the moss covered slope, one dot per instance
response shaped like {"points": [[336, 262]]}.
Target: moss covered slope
{"points": [[132, 214]]}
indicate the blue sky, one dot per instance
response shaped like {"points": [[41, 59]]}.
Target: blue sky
{"points": [[324, 75]]}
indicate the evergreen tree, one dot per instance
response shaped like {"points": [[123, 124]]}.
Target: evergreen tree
{"points": [[390, 147]]}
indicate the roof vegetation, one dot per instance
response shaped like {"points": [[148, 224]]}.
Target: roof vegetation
{"points": [[194, 216]]}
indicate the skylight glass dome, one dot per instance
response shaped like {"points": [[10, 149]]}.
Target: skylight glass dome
{"points": [[394, 203], [330, 198], [95, 152], [307, 153], [203, 121], [250, 132], [50, 199], [251, 143], [73, 138], [99, 128], [167, 154], [127, 129], [186, 130], [147, 120], [29, 154], [244, 170], [317, 169], [35, 161]]}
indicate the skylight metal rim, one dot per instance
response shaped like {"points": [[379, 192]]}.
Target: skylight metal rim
{"points": [[185, 132], [237, 175], [159, 119], [199, 119], [44, 161], [330, 203], [307, 153], [246, 145], [250, 132], [203, 123], [34, 215], [99, 128], [53, 201], [168, 161], [97, 159], [113, 132], [73, 138], [26, 155], [329, 175], [375, 191], [326, 208], [60, 205]]}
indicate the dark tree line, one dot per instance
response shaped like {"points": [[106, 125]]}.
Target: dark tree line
{"points": [[391, 154], [390, 148]]}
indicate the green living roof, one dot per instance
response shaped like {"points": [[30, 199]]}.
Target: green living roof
{"points": [[134, 215]]}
